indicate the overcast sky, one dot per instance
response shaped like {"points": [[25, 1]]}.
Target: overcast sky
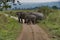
{"points": [[37, 0]]}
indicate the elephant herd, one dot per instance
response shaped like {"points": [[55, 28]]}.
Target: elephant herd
{"points": [[29, 17]]}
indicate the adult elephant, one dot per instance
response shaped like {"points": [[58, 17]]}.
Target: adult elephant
{"points": [[40, 16], [21, 16], [30, 19]]}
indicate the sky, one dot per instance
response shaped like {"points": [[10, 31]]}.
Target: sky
{"points": [[37, 1]]}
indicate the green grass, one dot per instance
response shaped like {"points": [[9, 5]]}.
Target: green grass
{"points": [[52, 25], [9, 28]]}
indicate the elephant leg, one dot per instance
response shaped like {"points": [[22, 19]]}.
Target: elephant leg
{"points": [[21, 20], [18, 19], [33, 21], [25, 21], [28, 21]]}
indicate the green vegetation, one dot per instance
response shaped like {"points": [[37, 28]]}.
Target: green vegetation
{"points": [[45, 10], [5, 5], [52, 25], [9, 28], [55, 7]]}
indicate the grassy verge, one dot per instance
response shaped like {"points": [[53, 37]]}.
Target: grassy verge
{"points": [[52, 25], [9, 28]]}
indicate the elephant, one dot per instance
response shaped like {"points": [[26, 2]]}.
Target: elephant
{"points": [[21, 16], [30, 19], [39, 16], [29, 16]]}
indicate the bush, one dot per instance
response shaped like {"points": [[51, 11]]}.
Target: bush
{"points": [[54, 7], [52, 25], [9, 28], [11, 13], [45, 9]]}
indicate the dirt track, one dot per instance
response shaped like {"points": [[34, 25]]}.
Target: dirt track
{"points": [[33, 32]]}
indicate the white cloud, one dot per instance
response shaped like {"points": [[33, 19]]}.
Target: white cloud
{"points": [[37, 0]]}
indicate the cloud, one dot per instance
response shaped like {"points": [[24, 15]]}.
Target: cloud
{"points": [[37, 0]]}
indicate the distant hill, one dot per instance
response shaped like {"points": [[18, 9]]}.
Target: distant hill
{"points": [[50, 4], [33, 5]]}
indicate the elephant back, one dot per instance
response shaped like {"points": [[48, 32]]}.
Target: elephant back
{"points": [[39, 16]]}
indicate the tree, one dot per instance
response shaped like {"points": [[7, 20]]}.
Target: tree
{"points": [[54, 7], [18, 2], [5, 5]]}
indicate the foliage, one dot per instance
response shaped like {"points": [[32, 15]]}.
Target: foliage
{"points": [[45, 10], [55, 7], [9, 28], [5, 5], [1, 9], [52, 25]]}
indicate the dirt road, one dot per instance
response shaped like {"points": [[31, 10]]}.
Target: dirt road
{"points": [[33, 32]]}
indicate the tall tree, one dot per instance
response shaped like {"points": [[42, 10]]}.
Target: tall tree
{"points": [[5, 5]]}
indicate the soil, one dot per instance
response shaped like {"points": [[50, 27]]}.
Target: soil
{"points": [[33, 32]]}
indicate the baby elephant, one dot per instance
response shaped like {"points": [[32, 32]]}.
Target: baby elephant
{"points": [[30, 19]]}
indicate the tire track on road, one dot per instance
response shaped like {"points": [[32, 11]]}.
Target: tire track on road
{"points": [[27, 33], [39, 33], [33, 32]]}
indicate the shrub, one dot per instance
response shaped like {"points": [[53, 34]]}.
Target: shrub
{"points": [[54, 7], [45, 9], [9, 28]]}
